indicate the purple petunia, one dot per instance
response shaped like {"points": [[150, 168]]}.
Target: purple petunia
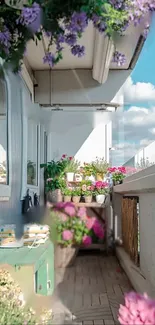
{"points": [[31, 17], [78, 23], [119, 58], [78, 50], [49, 58], [71, 39]]}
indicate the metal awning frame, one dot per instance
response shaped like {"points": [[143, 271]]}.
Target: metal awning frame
{"points": [[99, 107]]}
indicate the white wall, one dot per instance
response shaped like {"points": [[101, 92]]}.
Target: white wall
{"points": [[147, 153], [83, 135]]}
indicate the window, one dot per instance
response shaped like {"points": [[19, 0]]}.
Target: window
{"points": [[4, 173], [32, 153]]}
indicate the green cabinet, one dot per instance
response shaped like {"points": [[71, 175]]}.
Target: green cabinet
{"points": [[32, 268]]}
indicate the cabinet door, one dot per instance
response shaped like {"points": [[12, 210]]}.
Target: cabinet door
{"points": [[41, 280]]}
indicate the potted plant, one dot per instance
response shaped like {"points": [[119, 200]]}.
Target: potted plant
{"points": [[87, 191], [100, 191], [54, 189], [118, 174], [71, 168], [100, 168], [88, 172], [76, 195], [67, 194]]}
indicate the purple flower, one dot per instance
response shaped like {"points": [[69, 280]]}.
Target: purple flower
{"points": [[5, 38], [31, 17], [119, 58], [49, 58], [70, 39], [99, 23], [78, 22], [78, 50]]}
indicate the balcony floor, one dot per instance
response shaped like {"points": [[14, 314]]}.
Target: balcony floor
{"points": [[89, 293]]}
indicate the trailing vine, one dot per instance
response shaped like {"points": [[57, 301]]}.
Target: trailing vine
{"points": [[64, 22]]}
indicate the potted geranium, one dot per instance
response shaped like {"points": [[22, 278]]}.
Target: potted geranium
{"points": [[76, 195], [71, 168], [118, 174], [67, 194], [87, 191], [100, 167], [101, 190]]}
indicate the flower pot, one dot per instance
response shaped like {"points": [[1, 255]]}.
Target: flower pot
{"points": [[117, 182], [54, 196], [67, 198], [88, 199], [76, 199], [70, 177], [64, 256], [78, 177], [100, 198], [99, 176], [90, 178]]}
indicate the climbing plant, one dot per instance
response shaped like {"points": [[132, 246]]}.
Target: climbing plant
{"points": [[63, 22]]}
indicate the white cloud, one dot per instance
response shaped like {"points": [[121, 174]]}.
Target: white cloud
{"points": [[131, 93], [133, 128]]}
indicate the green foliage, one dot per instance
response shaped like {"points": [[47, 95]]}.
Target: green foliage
{"points": [[118, 177], [88, 169], [100, 166], [115, 19], [55, 184], [53, 169], [76, 192], [72, 166], [67, 191]]}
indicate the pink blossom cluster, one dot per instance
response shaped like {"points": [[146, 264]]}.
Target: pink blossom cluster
{"points": [[121, 170], [138, 310], [100, 185], [94, 224]]}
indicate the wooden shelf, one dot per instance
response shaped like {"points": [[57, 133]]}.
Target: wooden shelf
{"points": [[82, 204]]}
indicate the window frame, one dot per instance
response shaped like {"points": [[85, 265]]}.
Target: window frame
{"points": [[5, 189], [32, 188]]}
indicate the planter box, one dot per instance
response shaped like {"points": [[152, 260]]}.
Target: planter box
{"points": [[64, 256]]}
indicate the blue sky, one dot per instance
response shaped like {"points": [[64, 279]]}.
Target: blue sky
{"points": [[137, 122]]}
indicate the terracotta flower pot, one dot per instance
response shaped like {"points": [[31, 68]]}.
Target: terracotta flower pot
{"points": [[54, 196], [88, 199], [76, 199], [67, 198], [65, 256]]}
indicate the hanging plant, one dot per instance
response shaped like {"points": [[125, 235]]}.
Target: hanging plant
{"points": [[63, 23]]}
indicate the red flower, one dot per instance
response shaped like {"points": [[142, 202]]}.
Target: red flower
{"points": [[70, 158], [64, 156]]}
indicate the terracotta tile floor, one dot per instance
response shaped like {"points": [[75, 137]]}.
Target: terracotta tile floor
{"points": [[89, 293]]}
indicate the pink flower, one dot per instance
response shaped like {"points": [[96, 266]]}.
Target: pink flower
{"points": [[67, 235], [139, 309], [70, 158], [63, 156], [90, 222], [69, 209], [98, 229], [49, 179], [82, 213], [86, 240], [62, 216]]}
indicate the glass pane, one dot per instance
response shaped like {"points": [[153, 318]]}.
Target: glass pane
{"points": [[32, 154], [3, 135]]}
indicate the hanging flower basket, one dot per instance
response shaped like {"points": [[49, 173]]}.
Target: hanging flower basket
{"points": [[22, 21]]}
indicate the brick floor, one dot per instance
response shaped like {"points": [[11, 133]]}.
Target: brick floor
{"points": [[89, 293]]}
